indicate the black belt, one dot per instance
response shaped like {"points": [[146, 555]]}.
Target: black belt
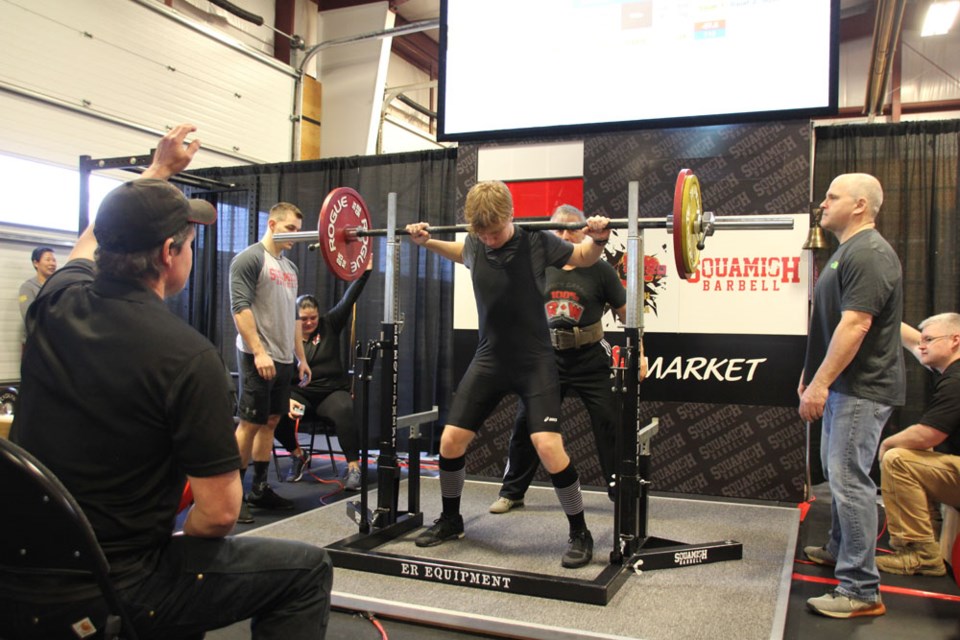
{"points": [[577, 337]]}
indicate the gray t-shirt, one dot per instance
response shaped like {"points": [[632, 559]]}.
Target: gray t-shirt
{"points": [[864, 275], [28, 293], [267, 286]]}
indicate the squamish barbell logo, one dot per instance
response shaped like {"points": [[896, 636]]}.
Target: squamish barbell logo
{"points": [[453, 575], [683, 558], [757, 273]]}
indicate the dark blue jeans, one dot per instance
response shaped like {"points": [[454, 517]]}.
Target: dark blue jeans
{"points": [[201, 584]]}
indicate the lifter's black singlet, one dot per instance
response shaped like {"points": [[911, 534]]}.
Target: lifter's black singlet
{"points": [[512, 325]]}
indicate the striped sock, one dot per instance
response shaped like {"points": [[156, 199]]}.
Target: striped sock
{"points": [[567, 485], [452, 475]]}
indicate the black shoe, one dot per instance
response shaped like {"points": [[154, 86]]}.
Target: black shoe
{"points": [[580, 552], [244, 517], [298, 464], [444, 528], [264, 497]]}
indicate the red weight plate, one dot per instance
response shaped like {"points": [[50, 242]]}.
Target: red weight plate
{"points": [[679, 229], [345, 255]]}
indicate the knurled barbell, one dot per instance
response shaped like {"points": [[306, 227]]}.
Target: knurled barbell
{"points": [[344, 229]]}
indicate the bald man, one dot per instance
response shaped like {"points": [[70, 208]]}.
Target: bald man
{"points": [[853, 376]]}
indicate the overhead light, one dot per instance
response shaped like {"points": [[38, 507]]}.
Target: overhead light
{"points": [[940, 17]]}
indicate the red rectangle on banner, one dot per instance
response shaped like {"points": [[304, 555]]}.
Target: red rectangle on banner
{"points": [[538, 198]]}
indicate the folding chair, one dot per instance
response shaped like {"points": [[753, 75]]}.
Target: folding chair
{"points": [[45, 534], [314, 425]]}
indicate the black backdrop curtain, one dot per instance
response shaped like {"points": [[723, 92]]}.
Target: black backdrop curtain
{"points": [[426, 190], [916, 162]]}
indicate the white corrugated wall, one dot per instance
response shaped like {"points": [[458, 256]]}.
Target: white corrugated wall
{"points": [[105, 77]]}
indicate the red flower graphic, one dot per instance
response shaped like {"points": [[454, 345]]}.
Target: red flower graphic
{"points": [[654, 274]]}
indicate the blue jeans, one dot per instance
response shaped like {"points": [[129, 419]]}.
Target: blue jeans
{"points": [[851, 435]]}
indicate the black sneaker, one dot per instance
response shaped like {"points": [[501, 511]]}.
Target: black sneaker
{"points": [[298, 464], [264, 497], [580, 552], [245, 517], [444, 528]]}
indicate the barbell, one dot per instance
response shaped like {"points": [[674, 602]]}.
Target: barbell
{"points": [[344, 229]]}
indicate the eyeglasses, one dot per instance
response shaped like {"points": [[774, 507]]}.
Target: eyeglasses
{"points": [[929, 339]]}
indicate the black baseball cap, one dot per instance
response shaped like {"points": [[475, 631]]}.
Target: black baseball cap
{"points": [[141, 214]]}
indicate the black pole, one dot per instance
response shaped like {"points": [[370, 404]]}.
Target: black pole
{"points": [[388, 467], [628, 489], [616, 556], [361, 405]]}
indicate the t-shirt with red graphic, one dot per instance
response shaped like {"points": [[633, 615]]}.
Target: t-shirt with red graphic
{"points": [[578, 297], [267, 285]]}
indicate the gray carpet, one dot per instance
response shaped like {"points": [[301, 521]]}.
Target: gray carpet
{"points": [[742, 599]]}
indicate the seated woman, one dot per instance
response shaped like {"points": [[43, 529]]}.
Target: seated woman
{"points": [[328, 392]]}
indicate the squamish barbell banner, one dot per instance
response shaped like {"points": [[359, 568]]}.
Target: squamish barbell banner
{"points": [[725, 347], [733, 333]]}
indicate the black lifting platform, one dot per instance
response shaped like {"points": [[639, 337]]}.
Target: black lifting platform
{"points": [[634, 550]]}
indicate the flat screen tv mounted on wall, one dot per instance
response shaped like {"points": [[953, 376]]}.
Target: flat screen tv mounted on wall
{"points": [[519, 68]]}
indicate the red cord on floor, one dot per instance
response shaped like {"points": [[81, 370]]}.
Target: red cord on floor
{"points": [[373, 620]]}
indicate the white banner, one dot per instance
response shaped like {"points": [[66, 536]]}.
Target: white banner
{"points": [[750, 282]]}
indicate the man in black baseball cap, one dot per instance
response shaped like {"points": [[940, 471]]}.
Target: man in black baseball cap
{"points": [[141, 214], [125, 402]]}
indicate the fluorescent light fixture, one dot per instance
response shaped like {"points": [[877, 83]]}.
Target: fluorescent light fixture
{"points": [[940, 17]]}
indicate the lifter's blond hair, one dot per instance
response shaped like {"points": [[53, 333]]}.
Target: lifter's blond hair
{"points": [[489, 205]]}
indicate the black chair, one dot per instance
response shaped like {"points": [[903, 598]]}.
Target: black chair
{"points": [[314, 426], [45, 534]]}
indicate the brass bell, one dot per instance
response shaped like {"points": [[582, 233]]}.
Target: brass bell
{"points": [[815, 238]]}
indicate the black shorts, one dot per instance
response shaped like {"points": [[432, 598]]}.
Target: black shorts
{"points": [[258, 399], [484, 386]]}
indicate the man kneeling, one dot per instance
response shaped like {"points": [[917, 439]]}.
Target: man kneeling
{"points": [[914, 475]]}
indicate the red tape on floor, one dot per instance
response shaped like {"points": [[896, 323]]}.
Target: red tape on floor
{"points": [[884, 588]]}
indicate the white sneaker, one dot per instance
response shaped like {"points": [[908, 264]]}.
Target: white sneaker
{"points": [[837, 605], [502, 505]]}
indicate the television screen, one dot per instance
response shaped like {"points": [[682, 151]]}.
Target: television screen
{"points": [[540, 67]]}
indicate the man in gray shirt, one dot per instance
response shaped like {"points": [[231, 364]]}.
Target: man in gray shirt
{"points": [[853, 376], [263, 292]]}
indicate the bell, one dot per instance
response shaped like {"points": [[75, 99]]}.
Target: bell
{"points": [[815, 238]]}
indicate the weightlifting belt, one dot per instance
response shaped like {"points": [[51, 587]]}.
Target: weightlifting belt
{"points": [[576, 337]]}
